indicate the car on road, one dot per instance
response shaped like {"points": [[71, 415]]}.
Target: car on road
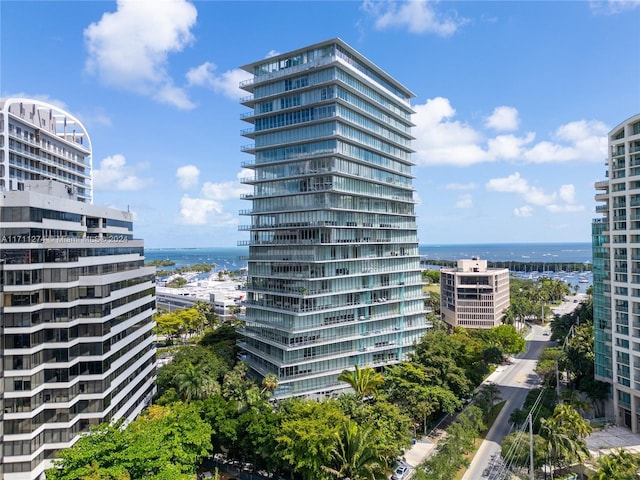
{"points": [[546, 333], [400, 472]]}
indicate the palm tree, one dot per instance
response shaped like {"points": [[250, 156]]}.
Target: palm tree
{"points": [[564, 435], [486, 398], [269, 383], [204, 310], [357, 454], [364, 381], [195, 384], [619, 465]]}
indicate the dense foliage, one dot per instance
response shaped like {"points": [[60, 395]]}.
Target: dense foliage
{"points": [[355, 436], [163, 443]]}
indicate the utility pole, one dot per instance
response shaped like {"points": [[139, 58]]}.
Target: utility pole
{"points": [[557, 380], [531, 472]]}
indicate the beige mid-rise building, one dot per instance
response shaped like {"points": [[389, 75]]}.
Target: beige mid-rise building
{"points": [[473, 295]]}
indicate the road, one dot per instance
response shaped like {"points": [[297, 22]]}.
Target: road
{"points": [[514, 382]]}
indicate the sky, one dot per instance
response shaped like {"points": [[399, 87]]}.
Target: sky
{"points": [[513, 103]]}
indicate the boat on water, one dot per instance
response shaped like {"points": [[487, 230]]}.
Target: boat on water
{"points": [[583, 280]]}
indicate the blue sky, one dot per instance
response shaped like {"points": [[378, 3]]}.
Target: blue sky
{"points": [[513, 103]]}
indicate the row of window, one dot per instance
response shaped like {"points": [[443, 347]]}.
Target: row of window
{"points": [[399, 266], [58, 354], [69, 294], [48, 416], [37, 338], [412, 311], [64, 275], [306, 287], [325, 218], [334, 183], [331, 165], [332, 200], [48, 156], [56, 255]]}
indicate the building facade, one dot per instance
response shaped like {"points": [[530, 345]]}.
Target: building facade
{"points": [[41, 141], [616, 274], [473, 295], [76, 301], [333, 269]]}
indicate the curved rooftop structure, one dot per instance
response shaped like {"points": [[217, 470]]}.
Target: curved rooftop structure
{"points": [[41, 141]]}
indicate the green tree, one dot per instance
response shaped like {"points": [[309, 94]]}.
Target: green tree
{"points": [[195, 383], [391, 425], [564, 435], [186, 358], [409, 386], [486, 397], [508, 339], [431, 276], [192, 319], [163, 443], [364, 382], [269, 383], [356, 454], [440, 357], [618, 465], [432, 301], [306, 436], [177, 282], [168, 325], [549, 360], [206, 314], [221, 340], [516, 449]]}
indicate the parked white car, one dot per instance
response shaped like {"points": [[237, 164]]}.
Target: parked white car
{"points": [[400, 472]]}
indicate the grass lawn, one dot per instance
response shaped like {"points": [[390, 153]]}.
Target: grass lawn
{"points": [[432, 287], [495, 410]]}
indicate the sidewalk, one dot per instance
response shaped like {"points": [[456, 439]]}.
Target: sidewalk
{"points": [[419, 452]]}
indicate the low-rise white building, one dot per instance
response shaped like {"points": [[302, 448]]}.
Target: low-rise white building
{"points": [[223, 296], [473, 295]]}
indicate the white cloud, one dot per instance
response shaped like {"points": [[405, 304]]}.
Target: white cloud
{"points": [[227, 190], [442, 140], [524, 211], [226, 83], [272, 53], [129, 48], [418, 16], [197, 211], [204, 211], [581, 140], [115, 174], [208, 207], [464, 201], [508, 147], [561, 201], [460, 186], [188, 176], [613, 7], [503, 119]]}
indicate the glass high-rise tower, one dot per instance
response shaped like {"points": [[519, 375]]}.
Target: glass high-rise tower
{"points": [[334, 273]]}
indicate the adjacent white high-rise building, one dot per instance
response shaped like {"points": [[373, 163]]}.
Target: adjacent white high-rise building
{"points": [[334, 274], [616, 274], [41, 141], [76, 301], [473, 295]]}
